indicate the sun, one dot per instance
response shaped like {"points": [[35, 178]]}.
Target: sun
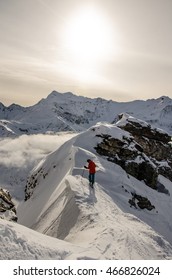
{"points": [[88, 36]]}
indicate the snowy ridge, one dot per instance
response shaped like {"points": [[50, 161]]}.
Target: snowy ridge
{"points": [[97, 235], [61, 217], [102, 223]]}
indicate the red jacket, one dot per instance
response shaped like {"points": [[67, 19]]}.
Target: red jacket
{"points": [[92, 167]]}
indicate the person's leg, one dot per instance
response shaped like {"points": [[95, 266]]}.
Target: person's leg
{"points": [[90, 178], [93, 178]]}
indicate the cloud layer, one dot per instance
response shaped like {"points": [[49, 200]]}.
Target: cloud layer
{"points": [[20, 155]]}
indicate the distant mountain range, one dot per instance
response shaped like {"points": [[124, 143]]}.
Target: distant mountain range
{"points": [[68, 112]]}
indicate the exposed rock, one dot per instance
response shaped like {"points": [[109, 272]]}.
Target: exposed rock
{"points": [[133, 161], [32, 183], [162, 189], [7, 207], [143, 129], [166, 171], [144, 154], [33, 180], [154, 142], [141, 202], [143, 171]]}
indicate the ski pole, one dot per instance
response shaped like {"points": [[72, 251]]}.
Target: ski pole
{"points": [[83, 172]]}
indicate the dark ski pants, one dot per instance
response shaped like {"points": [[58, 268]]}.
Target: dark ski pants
{"points": [[92, 178]]}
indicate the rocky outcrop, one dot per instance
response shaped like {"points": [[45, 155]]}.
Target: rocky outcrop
{"points": [[7, 207], [144, 154], [142, 129], [32, 182], [129, 155], [154, 142], [141, 202]]}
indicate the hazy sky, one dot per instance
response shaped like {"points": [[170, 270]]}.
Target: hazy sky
{"points": [[115, 49]]}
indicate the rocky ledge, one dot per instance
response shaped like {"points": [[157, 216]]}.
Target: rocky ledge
{"points": [[7, 207], [145, 154]]}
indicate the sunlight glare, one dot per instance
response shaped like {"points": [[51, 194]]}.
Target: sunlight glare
{"points": [[88, 36]]}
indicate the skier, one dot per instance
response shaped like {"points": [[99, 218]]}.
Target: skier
{"points": [[92, 170]]}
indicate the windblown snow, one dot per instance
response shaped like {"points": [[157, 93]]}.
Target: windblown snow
{"points": [[65, 219]]}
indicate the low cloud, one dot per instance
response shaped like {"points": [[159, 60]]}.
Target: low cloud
{"points": [[20, 155], [28, 150]]}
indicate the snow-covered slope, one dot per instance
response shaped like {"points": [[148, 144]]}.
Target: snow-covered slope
{"points": [[68, 112], [20, 243], [102, 231], [61, 217], [101, 222]]}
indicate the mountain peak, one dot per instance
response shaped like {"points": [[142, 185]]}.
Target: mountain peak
{"points": [[66, 111], [56, 94]]}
